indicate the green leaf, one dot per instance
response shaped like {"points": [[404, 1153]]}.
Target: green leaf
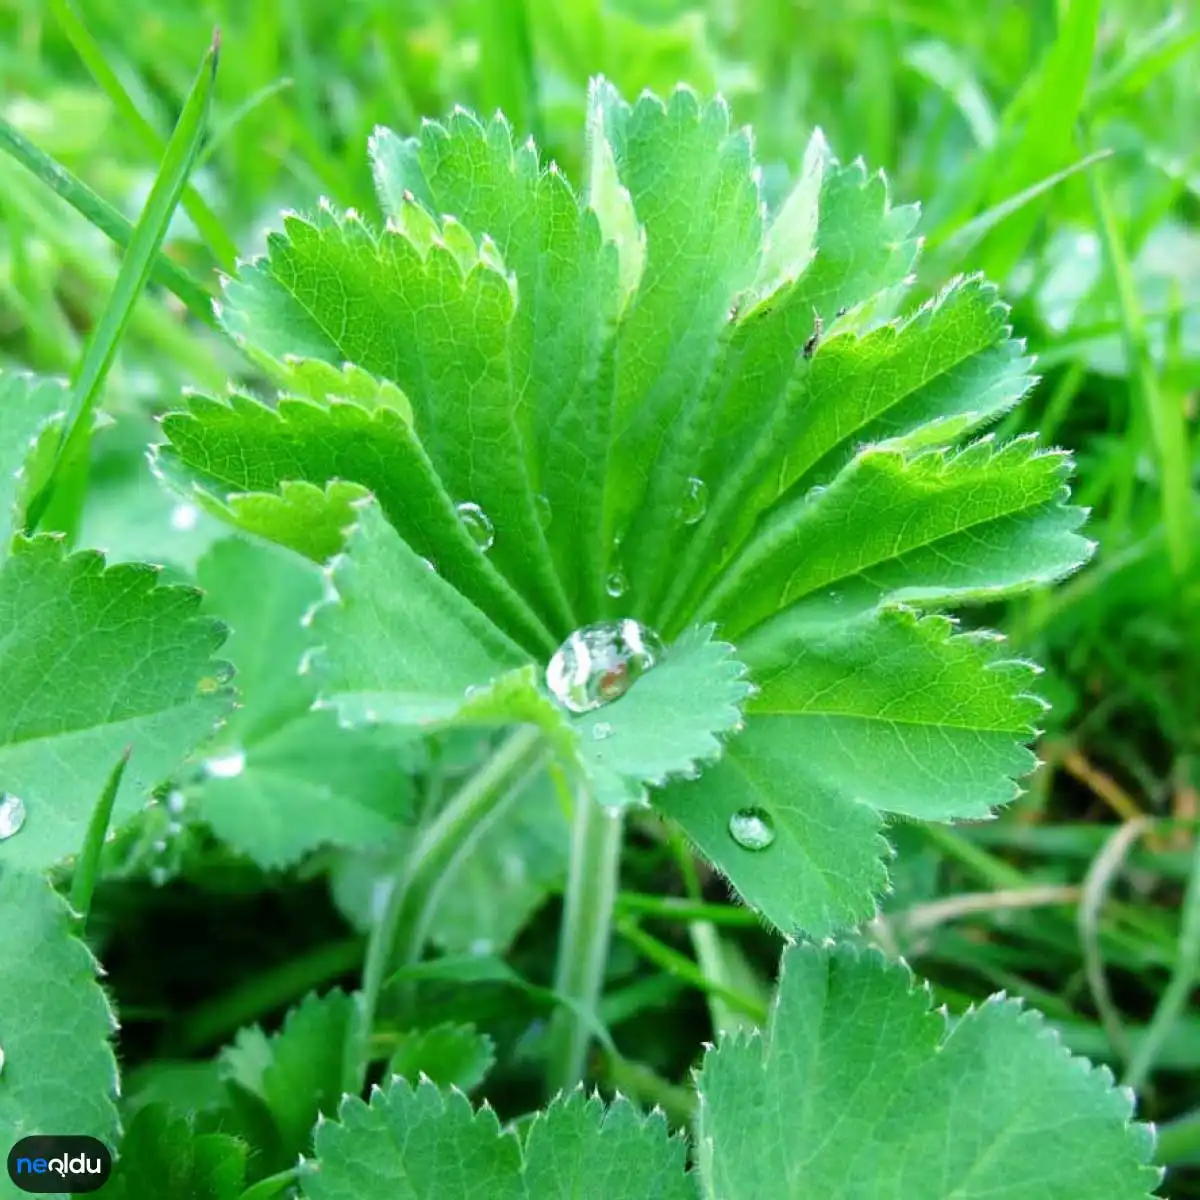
{"points": [[567, 294], [401, 643], [942, 372], [515, 862], [931, 528], [27, 406], [57, 1070], [95, 660], [282, 779], [424, 1144], [240, 449], [449, 1055], [295, 1074], [669, 724], [885, 714], [163, 1155], [421, 306], [857, 1081]]}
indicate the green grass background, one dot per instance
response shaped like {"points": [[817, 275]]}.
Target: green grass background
{"points": [[1055, 146]]}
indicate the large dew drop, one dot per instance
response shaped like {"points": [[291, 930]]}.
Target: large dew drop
{"points": [[600, 663], [12, 815], [695, 501], [752, 828], [479, 525]]}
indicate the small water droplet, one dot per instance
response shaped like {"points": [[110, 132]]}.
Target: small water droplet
{"points": [[602, 730], [616, 585], [600, 663], [815, 493], [160, 846], [545, 514], [695, 501], [479, 525], [158, 876], [229, 766], [12, 815], [481, 947], [1, 1059], [427, 563], [184, 517], [752, 828], [176, 802]]}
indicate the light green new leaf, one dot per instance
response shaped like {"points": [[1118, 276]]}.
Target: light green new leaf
{"points": [[883, 714], [295, 1074], [283, 780], [27, 405], [858, 1091], [162, 1155], [57, 1070], [421, 306], [240, 452], [669, 724], [449, 1055], [95, 660], [425, 1144]]}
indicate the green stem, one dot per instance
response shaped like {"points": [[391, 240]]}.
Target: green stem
{"points": [[586, 929], [400, 934], [1178, 1143]]}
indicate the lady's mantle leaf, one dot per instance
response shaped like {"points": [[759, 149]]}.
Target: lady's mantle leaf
{"points": [[57, 1070], [448, 1055], [886, 713], [425, 1144], [668, 725], [95, 660], [294, 1074], [163, 1155], [303, 781], [27, 405], [858, 1091], [936, 528]]}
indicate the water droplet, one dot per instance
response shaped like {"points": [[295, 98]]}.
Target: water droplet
{"points": [[481, 947], [12, 815], [752, 828], [600, 663], [229, 766], [428, 565], [184, 517], [695, 501], [545, 514], [1, 1059], [815, 493], [616, 585], [159, 876], [602, 730], [479, 525], [160, 846], [176, 802]]}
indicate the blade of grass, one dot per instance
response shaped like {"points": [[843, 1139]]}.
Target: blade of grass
{"points": [[104, 217], [1148, 58], [679, 965], [1038, 130], [1166, 421], [1096, 885], [223, 248], [947, 248], [1177, 994], [84, 882], [88, 379]]}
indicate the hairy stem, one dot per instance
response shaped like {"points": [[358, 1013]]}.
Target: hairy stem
{"points": [[399, 935], [583, 942]]}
